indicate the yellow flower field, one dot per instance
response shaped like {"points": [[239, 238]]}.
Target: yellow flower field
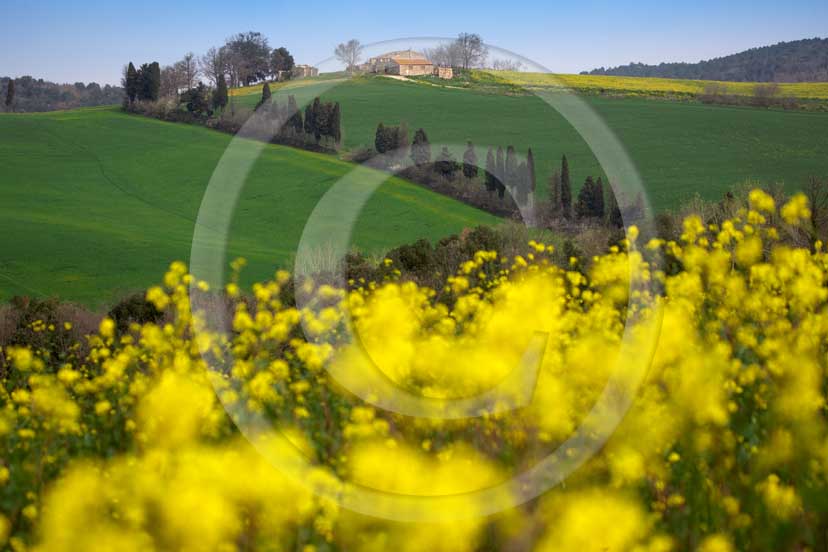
{"points": [[178, 436], [804, 90]]}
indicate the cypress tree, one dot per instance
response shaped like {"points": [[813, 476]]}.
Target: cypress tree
{"points": [[500, 172], [583, 206], [266, 95], [322, 119], [379, 139], [420, 149], [294, 123], [490, 178], [310, 125], [598, 199], [614, 219], [336, 128], [470, 162], [149, 81], [446, 165], [522, 183], [319, 119], [566, 189], [530, 164], [220, 94], [131, 83], [555, 193], [510, 174], [401, 142], [10, 95]]}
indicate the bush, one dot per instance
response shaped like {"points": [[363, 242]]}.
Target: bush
{"points": [[134, 309]]}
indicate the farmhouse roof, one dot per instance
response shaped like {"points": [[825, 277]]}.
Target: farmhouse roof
{"points": [[420, 61]]}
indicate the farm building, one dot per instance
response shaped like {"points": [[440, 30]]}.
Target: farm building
{"points": [[300, 71], [407, 63]]}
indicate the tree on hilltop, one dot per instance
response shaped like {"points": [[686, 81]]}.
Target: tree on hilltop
{"points": [[349, 53], [281, 61]]}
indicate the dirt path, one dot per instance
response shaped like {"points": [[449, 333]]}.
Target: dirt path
{"points": [[406, 79]]}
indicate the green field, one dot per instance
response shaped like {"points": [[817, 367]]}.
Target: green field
{"points": [[680, 148], [95, 203]]}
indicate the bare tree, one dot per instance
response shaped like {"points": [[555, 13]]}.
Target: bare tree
{"points": [[473, 52], [189, 70], [349, 53], [507, 65], [212, 64], [445, 55], [171, 80]]}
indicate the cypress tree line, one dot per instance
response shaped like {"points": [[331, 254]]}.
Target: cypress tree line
{"points": [[131, 84], [420, 149], [10, 95], [470, 162], [566, 189], [530, 164], [490, 179]]}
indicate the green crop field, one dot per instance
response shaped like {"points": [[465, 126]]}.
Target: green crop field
{"points": [[95, 203], [681, 149]]}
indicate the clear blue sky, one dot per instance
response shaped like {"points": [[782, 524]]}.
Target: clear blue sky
{"points": [[70, 40]]}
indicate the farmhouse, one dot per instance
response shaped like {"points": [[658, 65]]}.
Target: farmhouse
{"points": [[407, 63], [300, 71]]}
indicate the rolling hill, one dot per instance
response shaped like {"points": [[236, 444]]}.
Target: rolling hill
{"points": [[680, 148], [796, 61], [95, 203]]}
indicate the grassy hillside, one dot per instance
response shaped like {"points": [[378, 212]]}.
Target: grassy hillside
{"points": [[95, 203], [680, 148]]}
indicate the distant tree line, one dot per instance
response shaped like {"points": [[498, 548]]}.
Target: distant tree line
{"points": [[797, 61], [484, 184], [27, 94], [244, 58], [320, 127]]}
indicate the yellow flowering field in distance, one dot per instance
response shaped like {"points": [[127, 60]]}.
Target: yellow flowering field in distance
{"points": [[130, 440], [803, 90]]}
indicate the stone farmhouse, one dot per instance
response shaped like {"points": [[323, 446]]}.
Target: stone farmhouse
{"points": [[302, 70], [406, 63]]}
